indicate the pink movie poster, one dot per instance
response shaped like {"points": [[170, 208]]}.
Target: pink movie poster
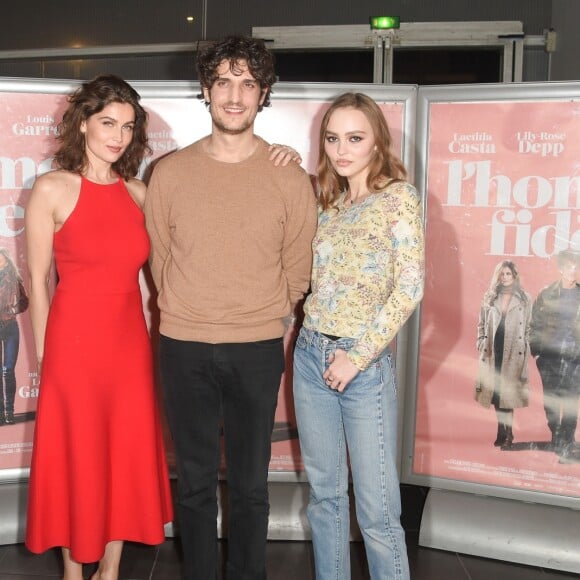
{"points": [[28, 121], [27, 125], [503, 184]]}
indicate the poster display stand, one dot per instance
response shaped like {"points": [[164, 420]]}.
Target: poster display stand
{"points": [[30, 110], [498, 165], [503, 529]]}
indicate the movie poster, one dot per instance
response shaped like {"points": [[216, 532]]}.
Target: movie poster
{"points": [[27, 125], [502, 184], [28, 121]]}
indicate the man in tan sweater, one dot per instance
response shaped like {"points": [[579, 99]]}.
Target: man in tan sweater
{"points": [[231, 255]]}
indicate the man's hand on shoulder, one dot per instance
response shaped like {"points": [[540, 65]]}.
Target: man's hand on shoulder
{"points": [[283, 154]]}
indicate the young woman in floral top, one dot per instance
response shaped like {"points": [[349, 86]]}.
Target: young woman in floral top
{"points": [[367, 279]]}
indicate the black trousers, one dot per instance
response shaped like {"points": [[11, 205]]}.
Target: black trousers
{"points": [[561, 391], [203, 385]]}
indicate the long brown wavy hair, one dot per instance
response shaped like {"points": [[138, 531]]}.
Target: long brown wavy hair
{"points": [[91, 98], [495, 283], [384, 167], [9, 279], [10, 268]]}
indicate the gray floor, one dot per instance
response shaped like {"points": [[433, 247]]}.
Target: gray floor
{"points": [[289, 560], [286, 561]]}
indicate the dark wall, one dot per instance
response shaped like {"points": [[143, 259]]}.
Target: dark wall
{"points": [[240, 15], [69, 23], [566, 15], [66, 23]]}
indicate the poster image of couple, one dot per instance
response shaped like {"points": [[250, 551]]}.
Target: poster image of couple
{"points": [[499, 335]]}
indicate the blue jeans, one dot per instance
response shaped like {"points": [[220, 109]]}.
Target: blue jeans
{"points": [[205, 384], [9, 344], [363, 418]]}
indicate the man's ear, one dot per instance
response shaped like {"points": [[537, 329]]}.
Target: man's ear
{"points": [[263, 97]]}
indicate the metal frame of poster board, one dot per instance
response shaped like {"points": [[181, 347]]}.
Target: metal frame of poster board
{"points": [[177, 117], [489, 158]]}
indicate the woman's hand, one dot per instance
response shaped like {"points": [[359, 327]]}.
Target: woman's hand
{"points": [[340, 371], [283, 154]]}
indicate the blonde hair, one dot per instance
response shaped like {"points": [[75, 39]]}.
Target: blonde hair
{"points": [[384, 167]]}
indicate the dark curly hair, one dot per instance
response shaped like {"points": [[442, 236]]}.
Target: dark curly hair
{"points": [[234, 49], [91, 98]]}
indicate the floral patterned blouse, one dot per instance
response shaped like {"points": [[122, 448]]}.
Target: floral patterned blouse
{"points": [[368, 270]]}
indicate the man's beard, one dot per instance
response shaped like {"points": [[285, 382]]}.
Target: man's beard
{"points": [[236, 130], [218, 124]]}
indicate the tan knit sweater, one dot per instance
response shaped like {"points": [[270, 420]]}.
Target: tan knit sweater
{"points": [[230, 244]]}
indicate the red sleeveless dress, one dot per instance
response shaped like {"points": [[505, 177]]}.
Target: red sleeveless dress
{"points": [[98, 469]]}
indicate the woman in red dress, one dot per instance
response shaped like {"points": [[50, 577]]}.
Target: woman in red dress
{"points": [[98, 473]]}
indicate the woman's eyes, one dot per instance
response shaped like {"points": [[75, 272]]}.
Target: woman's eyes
{"points": [[125, 127], [352, 139]]}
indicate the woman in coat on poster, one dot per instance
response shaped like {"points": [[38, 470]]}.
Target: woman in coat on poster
{"points": [[503, 344], [13, 301]]}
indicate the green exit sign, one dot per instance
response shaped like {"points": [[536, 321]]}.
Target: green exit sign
{"points": [[385, 22]]}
